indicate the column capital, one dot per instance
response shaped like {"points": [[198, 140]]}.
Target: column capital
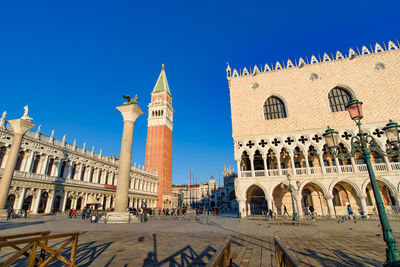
{"points": [[328, 197], [20, 126], [130, 112]]}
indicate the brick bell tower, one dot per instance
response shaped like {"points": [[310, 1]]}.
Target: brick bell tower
{"points": [[159, 136]]}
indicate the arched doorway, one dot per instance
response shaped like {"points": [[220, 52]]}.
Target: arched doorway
{"points": [[79, 203], [387, 196], [256, 202], [27, 203], [68, 203], [282, 198], [56, 204], [312, 195], [43, 202], [10, 201], [344, 194]]}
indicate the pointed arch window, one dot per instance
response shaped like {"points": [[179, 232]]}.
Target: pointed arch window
{"points": [[338, 99], [274, 108]]}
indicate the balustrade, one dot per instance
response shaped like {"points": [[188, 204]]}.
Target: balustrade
{"points": [[346, 168], [259, 173], [362, 167], [395, 166], [379, 167]]}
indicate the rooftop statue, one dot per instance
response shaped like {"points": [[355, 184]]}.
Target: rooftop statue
{"points": [[25, 115], [130, 101]]}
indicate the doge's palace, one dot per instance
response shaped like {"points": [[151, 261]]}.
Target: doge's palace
{"points": [[52, 175], [279, 113]]}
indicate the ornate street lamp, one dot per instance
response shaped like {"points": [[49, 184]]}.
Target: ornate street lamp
{"points": [[291, 188], [365, 143]]}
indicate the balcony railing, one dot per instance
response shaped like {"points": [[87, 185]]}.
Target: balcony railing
{"points": [[346, 168], [378, 167]]}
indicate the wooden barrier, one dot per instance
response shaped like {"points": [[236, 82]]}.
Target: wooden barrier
{"points": [[284, 257], [35, 241], [223, 256]]}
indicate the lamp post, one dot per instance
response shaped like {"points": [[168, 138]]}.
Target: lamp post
{"points": [[365, 143], [291, 187]]}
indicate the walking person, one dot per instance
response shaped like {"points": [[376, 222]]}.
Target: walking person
{"points": [[285, 210], [84, 214], [311, 209], [9, 213], [350, 212]]}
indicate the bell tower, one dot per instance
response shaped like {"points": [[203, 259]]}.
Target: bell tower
{"points": [[159, 136]]}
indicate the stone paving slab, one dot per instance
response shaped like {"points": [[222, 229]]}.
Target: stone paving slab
{"points": [[193, 243]]}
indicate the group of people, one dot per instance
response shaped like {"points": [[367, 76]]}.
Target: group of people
{"points": [[87, 213]]}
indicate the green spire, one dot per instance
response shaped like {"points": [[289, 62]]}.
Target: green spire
{"points": [[162, 83]]}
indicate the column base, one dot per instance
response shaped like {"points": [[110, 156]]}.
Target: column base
{"points": [[3, 214], [119, 217]]}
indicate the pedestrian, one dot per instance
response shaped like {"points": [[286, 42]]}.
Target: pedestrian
{"points": [[70, 213], [285, 210], [9, 213], [84, 214], [311, 209], [350, 212], [270, 214], [73, 214]]}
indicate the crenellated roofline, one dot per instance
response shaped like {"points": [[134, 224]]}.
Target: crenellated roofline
{"points": [[313, 60]]}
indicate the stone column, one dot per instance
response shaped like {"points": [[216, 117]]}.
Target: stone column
{"points": [[387, 163], [278, 162], [265, 165], [29, 162], [129, 113], [43, 165], [50, 203], [64, 201], [270, 205], [307, 163], [20, 126], [238, 169], [242, 208], [85, 199], [21, 198], [331, 208], [363, 205], [338, 169], [321, 163], [252, 166], [292, 163], [36, 201], [353, 164]]}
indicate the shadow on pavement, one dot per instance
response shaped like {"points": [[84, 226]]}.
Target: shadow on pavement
{"points": [[342, 259], [186, 256], [10, 224]]}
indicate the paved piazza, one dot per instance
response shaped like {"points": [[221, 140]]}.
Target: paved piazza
{"points": [[191, 243]]}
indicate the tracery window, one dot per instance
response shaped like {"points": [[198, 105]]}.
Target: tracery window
{"points": [[21, 156], [274, 108], [3, 151], [338, 99]]}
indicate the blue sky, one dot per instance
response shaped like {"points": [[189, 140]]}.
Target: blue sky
{"points": [[71, 61]]}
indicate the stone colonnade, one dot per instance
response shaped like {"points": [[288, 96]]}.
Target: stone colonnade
{"points": [[46, 200], [329, 197]]}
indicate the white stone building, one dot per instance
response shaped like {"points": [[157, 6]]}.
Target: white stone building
{"points": [[279, 114], [52, 175]]}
